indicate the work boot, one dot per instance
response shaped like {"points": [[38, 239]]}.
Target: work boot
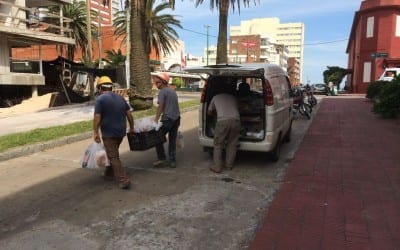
{"points": [[160, 164], [108, 173], [125, 184], [172, 164], [216, 169]]}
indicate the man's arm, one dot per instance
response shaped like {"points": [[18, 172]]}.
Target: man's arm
{"points": [[130, 120], [160, 109], [96, 127], [211, 108]]}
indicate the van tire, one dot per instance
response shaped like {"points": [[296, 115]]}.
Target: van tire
{"points": [[276, 153]]}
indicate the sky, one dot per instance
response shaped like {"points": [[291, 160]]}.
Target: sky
{"points": [[327, 25]]}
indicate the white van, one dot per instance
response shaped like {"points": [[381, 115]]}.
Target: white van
{"points": [[265, 109], [389, 74]]}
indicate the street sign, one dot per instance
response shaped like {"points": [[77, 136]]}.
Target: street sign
{"points": [[248, 44], [379, 54]]}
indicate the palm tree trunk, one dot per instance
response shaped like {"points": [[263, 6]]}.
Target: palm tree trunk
{"points": [[140, 96], [222, 56]]}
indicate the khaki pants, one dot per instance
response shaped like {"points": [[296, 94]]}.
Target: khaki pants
{"points": [[112, 149], [227, 133]]}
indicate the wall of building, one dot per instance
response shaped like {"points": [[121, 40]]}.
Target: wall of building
{"points": [[381, 50], [289, 34]]}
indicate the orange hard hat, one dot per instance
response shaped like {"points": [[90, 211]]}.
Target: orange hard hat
{"points": [[163, 76]]}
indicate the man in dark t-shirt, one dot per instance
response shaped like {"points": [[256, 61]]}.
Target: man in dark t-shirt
{"points": [[110, 114]]}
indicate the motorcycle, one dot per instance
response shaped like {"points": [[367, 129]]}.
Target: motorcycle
{"points": [[310, 97], [299, 105]]}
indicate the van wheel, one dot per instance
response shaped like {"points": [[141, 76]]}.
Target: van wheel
{"points": [[276, 153], [288, 135]]}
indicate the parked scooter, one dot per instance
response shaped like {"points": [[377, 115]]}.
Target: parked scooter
{"points": [[299, 106], [311, 99]]}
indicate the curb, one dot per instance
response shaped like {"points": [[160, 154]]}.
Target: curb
{"points": [[40, 146], [34, 148]]}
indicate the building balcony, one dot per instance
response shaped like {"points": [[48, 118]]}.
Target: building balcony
{"points": [[30, 23]]}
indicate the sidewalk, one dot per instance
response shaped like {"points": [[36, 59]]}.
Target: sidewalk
{"points": [[342, 189]]}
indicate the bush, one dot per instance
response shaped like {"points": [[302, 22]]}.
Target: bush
{"points": [[177, 82], [388, 103], [374, 89]]}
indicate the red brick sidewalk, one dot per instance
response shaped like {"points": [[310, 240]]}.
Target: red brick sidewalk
{"points": [[342, 190]]}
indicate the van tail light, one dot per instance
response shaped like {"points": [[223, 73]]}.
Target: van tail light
{"points": [[203, 93], [269, 97]]}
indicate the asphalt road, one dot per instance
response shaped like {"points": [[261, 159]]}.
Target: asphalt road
{"points": [[48, 202]]}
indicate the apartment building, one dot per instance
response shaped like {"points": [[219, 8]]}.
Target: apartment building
{"points": [[22, 25], [374, 42], [266, 40]]}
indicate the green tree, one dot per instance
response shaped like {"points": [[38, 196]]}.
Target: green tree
{"points": [[76, 11], [162, 35], [334, 74], [115, 58], [223, 8], [147, 30]]}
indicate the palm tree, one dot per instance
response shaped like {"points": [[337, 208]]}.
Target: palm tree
{"points": [[162, 35], [147, 30], [77, 13], [223, 7], [115, 58]]}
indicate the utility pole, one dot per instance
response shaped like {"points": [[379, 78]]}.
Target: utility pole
{"points": [[100, 43], [89, 32], [128, 44], [207, 27], [89, 48]]}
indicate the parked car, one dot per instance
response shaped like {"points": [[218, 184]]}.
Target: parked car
{"points": [[389, 74], [319, 88], [265, 107], [194, 85]]}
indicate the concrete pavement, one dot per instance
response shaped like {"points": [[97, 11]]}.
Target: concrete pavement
{"points": [[342, 189]]}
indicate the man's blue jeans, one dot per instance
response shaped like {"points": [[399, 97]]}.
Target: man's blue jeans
{"points": [[169, 127]]}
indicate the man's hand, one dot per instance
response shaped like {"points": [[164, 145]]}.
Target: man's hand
{"points": [[96, 137]]}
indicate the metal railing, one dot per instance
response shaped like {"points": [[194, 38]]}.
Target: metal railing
{"points": [[21, 17]]}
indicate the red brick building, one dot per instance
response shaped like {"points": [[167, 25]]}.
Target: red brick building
{"points": [[374, 42]]}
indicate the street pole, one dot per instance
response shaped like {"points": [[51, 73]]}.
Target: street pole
{"points": [[128, 45], [207, 27], [100, 43], [89, 48], [89, 33]]}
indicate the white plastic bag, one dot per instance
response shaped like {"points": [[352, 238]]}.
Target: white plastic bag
{"points": [[146, 124], [95, 156], [101, 159]]}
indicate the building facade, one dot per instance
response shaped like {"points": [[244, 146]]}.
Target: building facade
{"points": [[374, 42], [264, 39], [23, 25]]}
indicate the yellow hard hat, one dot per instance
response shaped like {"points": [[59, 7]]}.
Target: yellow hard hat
{"points": [[104, 80]]}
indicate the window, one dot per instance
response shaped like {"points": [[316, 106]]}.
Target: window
{"points": [[370, 27], [397, 25], [367, 72]]}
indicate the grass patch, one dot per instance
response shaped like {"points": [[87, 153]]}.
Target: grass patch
{"points": [[51, 133]]}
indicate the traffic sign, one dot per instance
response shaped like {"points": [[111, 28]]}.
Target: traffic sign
{"points": [[379, 54]]}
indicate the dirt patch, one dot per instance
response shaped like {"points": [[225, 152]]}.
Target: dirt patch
{"points": [[30, 105]]}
